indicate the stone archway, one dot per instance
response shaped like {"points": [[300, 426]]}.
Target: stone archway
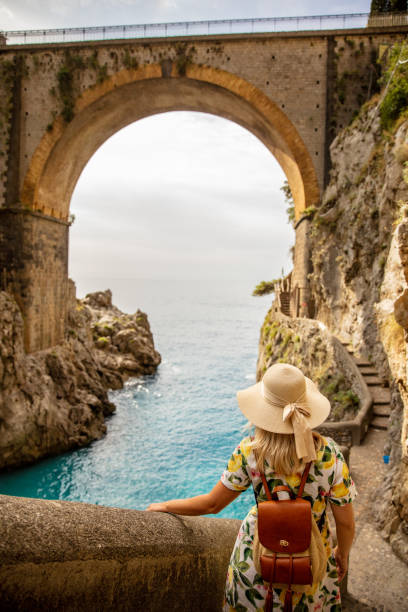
{"points": [[42, 286], [133, 94]]}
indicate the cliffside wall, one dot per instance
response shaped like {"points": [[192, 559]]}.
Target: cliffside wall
{"points": [[54, 400], [358, 245], [358, 281]]}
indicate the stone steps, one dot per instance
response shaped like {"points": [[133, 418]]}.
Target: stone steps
{"points": [[373, 381], [380, 395], [285, 304], [379, 422], [378, 389], [367, 370], [381, 410]]}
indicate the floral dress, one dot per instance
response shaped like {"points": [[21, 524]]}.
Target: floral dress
{"points": [[328, 479]]}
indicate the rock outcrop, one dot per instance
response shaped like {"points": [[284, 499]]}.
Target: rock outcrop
{"points": [[308, 345], [56, 400]]}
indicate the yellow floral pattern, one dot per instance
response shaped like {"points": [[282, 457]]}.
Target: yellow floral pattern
{"points": [[329, 480]]}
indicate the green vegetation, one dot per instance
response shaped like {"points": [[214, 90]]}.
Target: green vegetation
{"points": [[309, 211], [65, 80], [184, 57], [8, 71], [128, 61], [395, 79], [68, 80], [65, 87], [379, 7], [344, 401], [289, 201], [103, 340], [264, 287]]}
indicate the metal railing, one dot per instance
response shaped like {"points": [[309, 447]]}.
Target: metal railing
{"points": [[201, 28]]}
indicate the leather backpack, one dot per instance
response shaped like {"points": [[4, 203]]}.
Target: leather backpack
{"points": [[288, 549]]}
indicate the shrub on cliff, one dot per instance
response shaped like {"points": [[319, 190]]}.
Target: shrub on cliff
{"points": [[388, 6], [395, 80], [264, 287]]}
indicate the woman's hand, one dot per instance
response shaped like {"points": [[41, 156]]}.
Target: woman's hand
{"points": [[341, 563], [210, 503], [160, 507]]}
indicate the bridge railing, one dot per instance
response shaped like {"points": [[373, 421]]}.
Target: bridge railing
{"points": [[201, 28]]}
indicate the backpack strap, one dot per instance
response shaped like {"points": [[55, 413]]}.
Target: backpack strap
{"points": [[302, 483], [304, 478], [265, 484]]}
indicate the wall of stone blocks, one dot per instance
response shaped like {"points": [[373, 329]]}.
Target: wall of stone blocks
{"points": [[34, 268], [317, 79]]}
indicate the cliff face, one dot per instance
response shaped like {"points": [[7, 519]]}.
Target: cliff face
{"points": [[358, 245], [55, 400]]}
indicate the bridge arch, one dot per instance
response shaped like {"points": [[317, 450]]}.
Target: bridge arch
{"points": [[130, 95]]}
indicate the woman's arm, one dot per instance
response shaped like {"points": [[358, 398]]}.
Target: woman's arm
{"points": [[210, 503], [344, 519]]}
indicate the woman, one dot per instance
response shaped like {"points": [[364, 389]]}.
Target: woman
{"points": [[283, 408]]}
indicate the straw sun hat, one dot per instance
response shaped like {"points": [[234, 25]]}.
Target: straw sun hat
{"points": [[285, 401]]}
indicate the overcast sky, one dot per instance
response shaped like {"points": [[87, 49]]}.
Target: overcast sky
{"points": [[179, 194], [31, 14]]}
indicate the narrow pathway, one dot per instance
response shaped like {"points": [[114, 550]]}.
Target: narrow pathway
{"points": [[378, 579]]}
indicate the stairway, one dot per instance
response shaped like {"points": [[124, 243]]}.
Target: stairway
{"points": [[379, 390], [284, 298]]}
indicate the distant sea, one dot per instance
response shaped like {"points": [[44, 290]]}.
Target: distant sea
{"points": [[173, 432]]}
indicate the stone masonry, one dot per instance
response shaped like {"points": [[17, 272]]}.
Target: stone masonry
{"points": [[59, 103]]}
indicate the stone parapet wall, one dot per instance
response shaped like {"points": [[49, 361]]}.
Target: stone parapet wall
{"points": [[72, 556]]}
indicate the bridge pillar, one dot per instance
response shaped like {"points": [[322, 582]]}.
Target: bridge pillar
{"points": [[34, 269], [300, 295]]}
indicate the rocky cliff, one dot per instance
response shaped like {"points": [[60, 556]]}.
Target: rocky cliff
{"points": [[55, 400], [358, 246], [358, 281]]}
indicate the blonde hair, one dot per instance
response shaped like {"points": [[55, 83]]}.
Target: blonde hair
{"points": [[279, 451]]}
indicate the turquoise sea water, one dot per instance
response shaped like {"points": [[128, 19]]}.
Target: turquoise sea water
{"points": [[172, 433]]}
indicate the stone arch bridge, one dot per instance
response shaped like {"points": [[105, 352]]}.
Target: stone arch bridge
{"points": [[59, 103]]}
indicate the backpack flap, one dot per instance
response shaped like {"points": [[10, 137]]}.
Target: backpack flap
{"points": [[285, 526]]}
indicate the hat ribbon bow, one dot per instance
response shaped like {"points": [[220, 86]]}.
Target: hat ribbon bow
{"points": [[296, 413]]}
